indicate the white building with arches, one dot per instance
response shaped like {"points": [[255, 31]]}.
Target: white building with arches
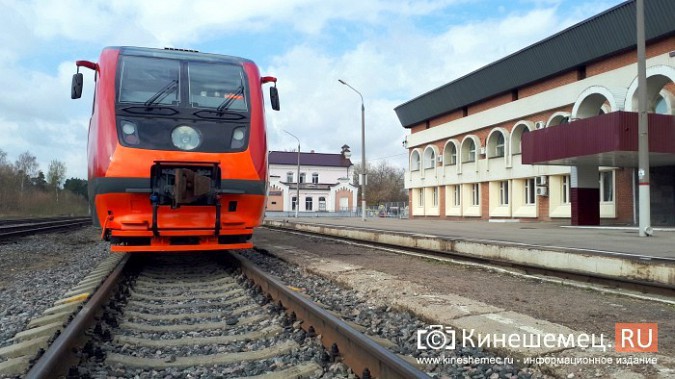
{"points": [[529, 137], [326, 182]]}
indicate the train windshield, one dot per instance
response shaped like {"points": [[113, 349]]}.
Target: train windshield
{"points": [[217, 86], [149, 81]]}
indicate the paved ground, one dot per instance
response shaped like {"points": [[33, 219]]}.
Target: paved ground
{"points": [[600, 239]]}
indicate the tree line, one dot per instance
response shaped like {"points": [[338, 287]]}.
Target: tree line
{"points": [[27, 191]]}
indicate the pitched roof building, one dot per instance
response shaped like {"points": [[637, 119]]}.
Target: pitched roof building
{"points": [[325, 182]]}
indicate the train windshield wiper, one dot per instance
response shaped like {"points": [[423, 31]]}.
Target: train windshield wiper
{"points": [[162, 93], [225, 105]]}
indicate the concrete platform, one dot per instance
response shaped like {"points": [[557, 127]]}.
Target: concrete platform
{"points": [[603, 251]]}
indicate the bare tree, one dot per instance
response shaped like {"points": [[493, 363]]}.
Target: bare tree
{"points": [[385, 184], [55, 175], [26, 165], [6, 168]]}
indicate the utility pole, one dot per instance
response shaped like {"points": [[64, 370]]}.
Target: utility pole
{"points": [[297, 180], [363, 177], [643, 126]]}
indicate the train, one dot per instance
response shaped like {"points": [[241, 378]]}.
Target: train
{"points": [[177, 149]]}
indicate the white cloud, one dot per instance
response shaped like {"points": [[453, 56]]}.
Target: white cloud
{"points": [[393, 58]]}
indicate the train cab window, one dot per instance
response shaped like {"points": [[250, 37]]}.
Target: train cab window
{"points": [[149, 80], [219, 86]]}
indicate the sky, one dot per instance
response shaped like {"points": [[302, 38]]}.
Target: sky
{"points": [[389, 50]]}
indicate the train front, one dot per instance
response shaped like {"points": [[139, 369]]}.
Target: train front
{"points": [[177, 149]]}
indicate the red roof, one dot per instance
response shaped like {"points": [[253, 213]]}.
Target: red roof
{"points": [[308, 159]]}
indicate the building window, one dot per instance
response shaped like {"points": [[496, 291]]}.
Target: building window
{"points": [[415, 161], [315, 178], [420, 199], [504, 192], [450, 154], [294, 201], [499, 148], [434, 196], [457, 201], [529, 191], [302, 177], [475, 194], [429, 158], [322, 204], [308, 203], [289, 177], [607, 186], [470, 151], [565, 190]]}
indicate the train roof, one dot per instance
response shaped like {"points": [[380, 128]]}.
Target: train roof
{"points": [[178, 53]]}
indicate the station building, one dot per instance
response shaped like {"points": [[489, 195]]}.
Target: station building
{"points": [[325, 182], [550, 132]]}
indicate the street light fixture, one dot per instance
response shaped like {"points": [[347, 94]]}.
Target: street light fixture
{"points": [[297, 180], [362, 177]]}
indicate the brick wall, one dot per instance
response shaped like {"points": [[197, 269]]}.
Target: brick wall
{"points": [[485, 200], [543, 206], [629, 57], [441, 201], [549, 84], [446, 118], [490, 103], [623, 195]]}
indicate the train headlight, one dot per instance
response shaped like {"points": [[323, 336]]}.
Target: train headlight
{"points": [[186, 138], [130, 133], [238, 137], [128, 128]]}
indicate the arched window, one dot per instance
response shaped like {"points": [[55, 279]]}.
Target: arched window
{"points": [[315, 178], [415, 161], [450, 154], [469, 150], [517, 138], [302, 177], [499, 148], [429, 158], [289, 177], [308, 203]]}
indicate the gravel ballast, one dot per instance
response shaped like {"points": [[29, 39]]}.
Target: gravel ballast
{"points": [[38, 270]]}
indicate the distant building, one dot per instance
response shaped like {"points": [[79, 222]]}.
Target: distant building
{"points": [[325, 182], [550, 132]]}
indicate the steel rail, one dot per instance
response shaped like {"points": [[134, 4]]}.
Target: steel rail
{"points": [[52, 361], [38, 226], [357, 350], [16, 221]]}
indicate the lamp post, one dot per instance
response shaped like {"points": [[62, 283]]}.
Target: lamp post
{"points": [[297, 180], [645, 229], [362, 177]]}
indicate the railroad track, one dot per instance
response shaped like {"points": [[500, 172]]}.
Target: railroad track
{"points": [[22, 227], [608, 283], [214, 314]]}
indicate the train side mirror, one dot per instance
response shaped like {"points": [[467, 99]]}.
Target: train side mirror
{"points": [[274, 98], [76, 87]]}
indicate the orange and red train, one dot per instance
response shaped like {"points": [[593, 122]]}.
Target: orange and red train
{"points": [[177, 150]]}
